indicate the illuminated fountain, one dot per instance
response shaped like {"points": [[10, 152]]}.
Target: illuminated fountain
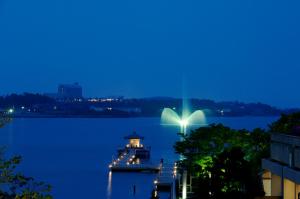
{"points": [[170, 117]]}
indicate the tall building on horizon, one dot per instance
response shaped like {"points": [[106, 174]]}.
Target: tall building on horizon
{"points": [[69, 91]]}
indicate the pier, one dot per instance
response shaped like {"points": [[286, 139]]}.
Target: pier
{"points": [[135, 157], [166, 180], [128, 162]]}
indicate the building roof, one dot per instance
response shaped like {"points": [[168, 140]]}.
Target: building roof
{"points": [[295, 131], [286, 139], [134, 135], [75, 85]]}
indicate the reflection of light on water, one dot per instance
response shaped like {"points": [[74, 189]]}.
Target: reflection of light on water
{"points": [[109, 188]]}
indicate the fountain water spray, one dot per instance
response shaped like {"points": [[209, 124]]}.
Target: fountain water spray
{"points": [[170, 117]]}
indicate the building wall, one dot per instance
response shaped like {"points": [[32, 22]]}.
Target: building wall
{"points": [[135, 142], [289, 189], [297, 191], [276, 185], [297, 158], [284, 166], [70, 91], [280, 152]]}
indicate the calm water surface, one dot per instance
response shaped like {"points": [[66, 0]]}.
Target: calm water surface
{"points": [[73, 154]]}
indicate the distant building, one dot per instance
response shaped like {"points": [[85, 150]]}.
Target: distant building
{"points": [[281, 177], [70, 91]]}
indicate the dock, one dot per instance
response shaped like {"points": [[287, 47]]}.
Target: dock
{"points": [[135, 157], [166, 180], [136, 168], [128, 162]]}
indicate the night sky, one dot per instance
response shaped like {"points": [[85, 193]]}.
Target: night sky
{"points": [[246, 50]]}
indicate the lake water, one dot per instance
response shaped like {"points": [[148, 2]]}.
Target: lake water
{"points": [[73, 154]]}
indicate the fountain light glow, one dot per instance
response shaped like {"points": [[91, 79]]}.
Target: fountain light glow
{"points": [[183, 123], [170, 117]]}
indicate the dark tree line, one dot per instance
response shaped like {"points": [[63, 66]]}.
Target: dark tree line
{"points": [[26, 99], [148, 106]]}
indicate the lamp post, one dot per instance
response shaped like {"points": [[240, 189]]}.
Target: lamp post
{"points": [[183, 128]]}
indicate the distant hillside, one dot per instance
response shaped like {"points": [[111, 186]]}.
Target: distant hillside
{"points": [[37, 105]]}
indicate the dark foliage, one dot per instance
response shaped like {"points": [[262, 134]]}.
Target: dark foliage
{"points": [[26, 99], [289, 124], [13, 184], [225, 161]]}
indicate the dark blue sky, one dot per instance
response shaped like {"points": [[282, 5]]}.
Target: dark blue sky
{"points": [[247, 50]]}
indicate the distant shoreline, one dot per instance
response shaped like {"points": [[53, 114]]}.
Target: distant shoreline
{"points": [[31, 105], [119, 116]]}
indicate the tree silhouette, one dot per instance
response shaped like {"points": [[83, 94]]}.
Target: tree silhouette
{"points": [[14, 185]]}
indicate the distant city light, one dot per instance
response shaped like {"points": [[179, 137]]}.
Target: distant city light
{"points": [[103, 99], [11, 111]]}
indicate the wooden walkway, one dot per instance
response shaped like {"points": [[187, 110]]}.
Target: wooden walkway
{"points": [[166, 180], [127, 163]]}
